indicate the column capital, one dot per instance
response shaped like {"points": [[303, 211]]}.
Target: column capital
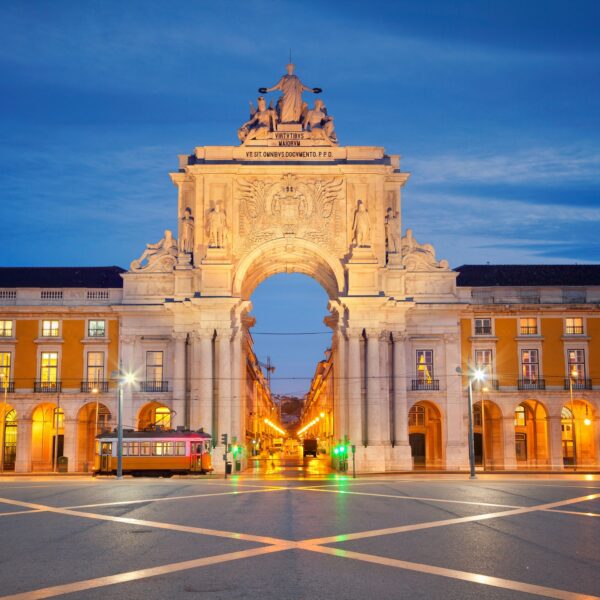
{"points": [[128, 339], [224, 332], [354, 332], [202, 334], [373, 332], [399, 336], [179, 335]]}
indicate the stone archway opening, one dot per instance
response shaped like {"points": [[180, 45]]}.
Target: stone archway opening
{"points": [[92, 419], [425, 435], [289, 309], [154, 415], [488, 435], [577, 434], [47, 436], [531, 434]]}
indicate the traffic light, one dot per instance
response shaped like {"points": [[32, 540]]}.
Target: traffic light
{"points": [[235, 449], [224, 439]]}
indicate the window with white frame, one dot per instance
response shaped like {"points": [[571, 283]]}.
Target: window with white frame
{"points": [[50, 328], [6, 328], [576, 364], [49, 367], [530, 365], [95, 367], [528, 326], [483, 327], [97, 328], [483, 361], [424, 366], [5, 364], [416, 416], [154, 366], [574, 325]]}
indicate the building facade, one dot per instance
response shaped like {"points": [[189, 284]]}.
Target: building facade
{"points": [[406, 328]]}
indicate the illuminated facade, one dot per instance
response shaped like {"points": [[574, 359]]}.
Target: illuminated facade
{"points": [[405, 326]]}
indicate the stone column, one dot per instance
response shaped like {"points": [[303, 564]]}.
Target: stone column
{"points": [[354, 387], [401, 454], [202, 409], [457, 452], [179, 379], [508, 436], [127, 365], [223, 384], [70, 446], [24, 442], [555, 443], [340, 410], [238, 429], [373, 415], [385, 389]]}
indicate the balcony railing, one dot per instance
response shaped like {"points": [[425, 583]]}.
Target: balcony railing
{"points": [[47, 387], [154, 386], [94, 386], [485, 385], [578, 384], [10, 387], [484, 330], [531, 384], [574, 330], [432, 385], [528, 330]]}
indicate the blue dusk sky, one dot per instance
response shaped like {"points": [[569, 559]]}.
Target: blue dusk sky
{"points": [[493, 106]]}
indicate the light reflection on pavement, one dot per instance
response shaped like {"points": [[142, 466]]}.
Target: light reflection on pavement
{"points": [[282, 466]]}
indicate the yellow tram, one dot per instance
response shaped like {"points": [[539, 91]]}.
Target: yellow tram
{"points": [[156, 452]]}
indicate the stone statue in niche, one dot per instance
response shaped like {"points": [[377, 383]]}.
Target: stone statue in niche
{"points": [[159, 257], [290, 103], [217, 227], [362, 226], [262, 121], [319, 123], [186, 241], [417, 256], [392, 232]]}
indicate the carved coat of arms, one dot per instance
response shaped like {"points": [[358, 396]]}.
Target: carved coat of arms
{"points": [[290, 206]]}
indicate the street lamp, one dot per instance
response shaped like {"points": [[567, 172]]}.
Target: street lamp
{"points": [[573, 374], [476, 375], [5, 382], [124, 378]]}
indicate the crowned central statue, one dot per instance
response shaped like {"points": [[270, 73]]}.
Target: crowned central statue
{"points": [[289, 110], [290, 104]]}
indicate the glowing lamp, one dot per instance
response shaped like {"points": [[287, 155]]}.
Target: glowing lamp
{"points": [[587, 422]]}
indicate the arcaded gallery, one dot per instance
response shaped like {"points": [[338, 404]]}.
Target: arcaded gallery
{"points": [[407, 330]]}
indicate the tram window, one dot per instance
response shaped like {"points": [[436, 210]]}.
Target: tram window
{"points": [[168, 449], [180, 448], [134, 448], [157, 448], [107, 448], [145, 449], [125, 448]]}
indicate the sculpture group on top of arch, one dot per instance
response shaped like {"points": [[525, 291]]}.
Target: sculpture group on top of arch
{"points": [[290, 110]]}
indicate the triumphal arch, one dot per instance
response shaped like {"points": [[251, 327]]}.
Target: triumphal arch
{"points": [[290, 198]]}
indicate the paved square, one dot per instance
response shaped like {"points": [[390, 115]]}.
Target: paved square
{"points": [[381, 537]]}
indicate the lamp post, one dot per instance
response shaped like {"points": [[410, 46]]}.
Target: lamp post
{"points": [[124, 378], [5, 382], [573, 374], [477, 375]]}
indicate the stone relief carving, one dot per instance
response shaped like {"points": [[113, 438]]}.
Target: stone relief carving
{"points": [[420, 257], [288, 206], [392, 232], [362, 226], [186, 241], [217, 228], [160, 257]]}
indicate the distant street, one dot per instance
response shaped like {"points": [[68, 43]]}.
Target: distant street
{"points": [[283, 532]]}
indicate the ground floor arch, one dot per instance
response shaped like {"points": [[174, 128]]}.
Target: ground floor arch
{"points": [[47, 436], [532, 448], [8, 453], [92, 419], [425, 435], [488, 435], [578, 428], [154, 415]]}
